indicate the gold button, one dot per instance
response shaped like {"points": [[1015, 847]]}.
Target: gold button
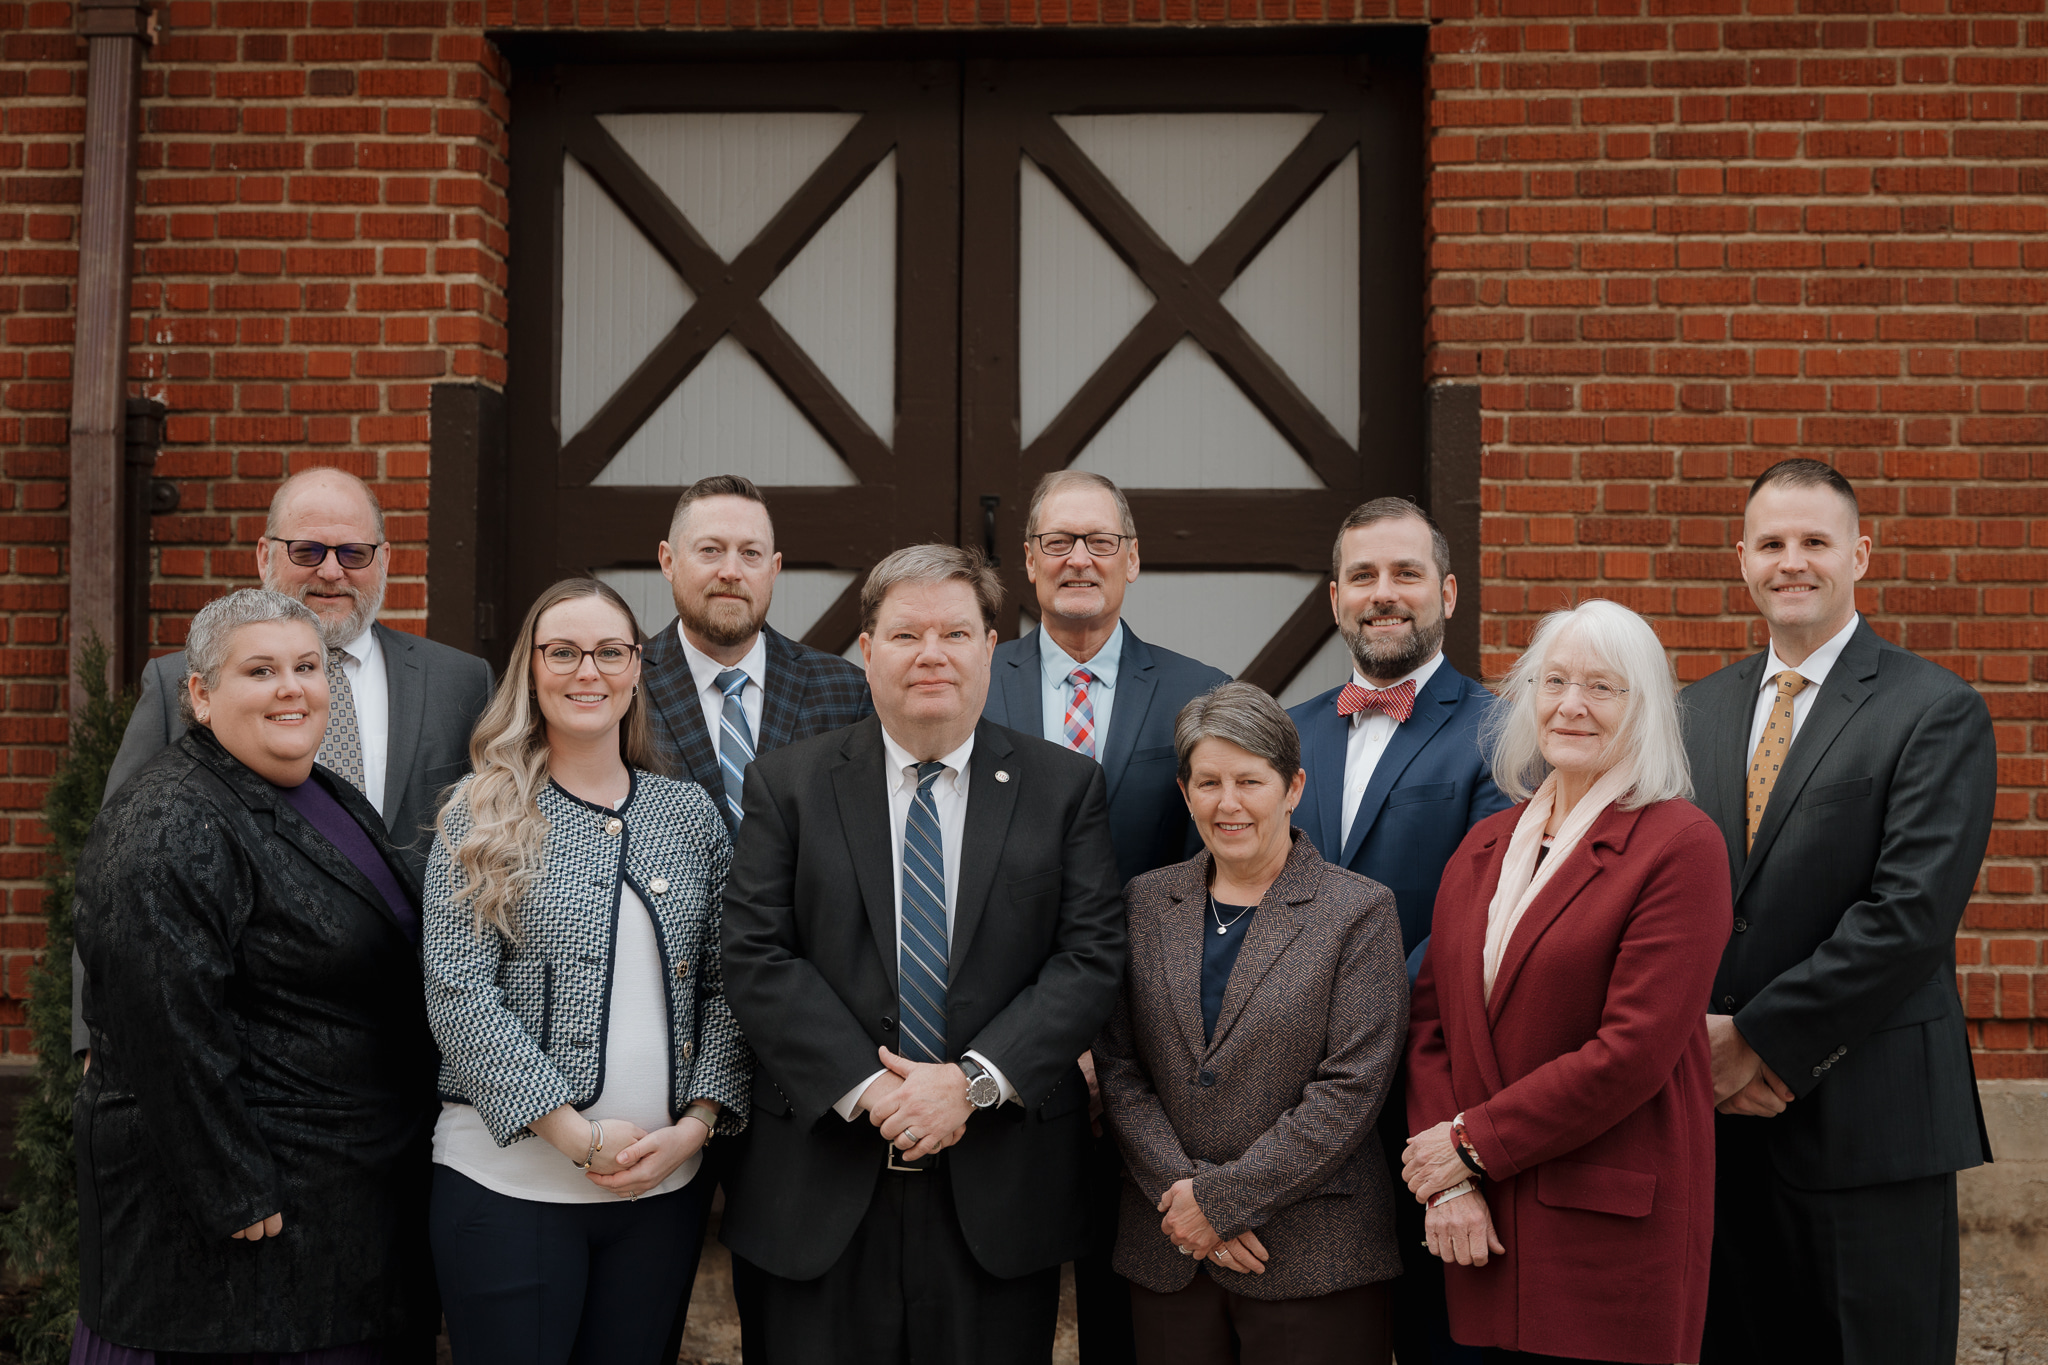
{"points": [[659, 886], [689, 1051], [614, 825], [682, 969]]}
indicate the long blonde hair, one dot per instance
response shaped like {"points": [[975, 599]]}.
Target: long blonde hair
{"points": [[503, 849]]}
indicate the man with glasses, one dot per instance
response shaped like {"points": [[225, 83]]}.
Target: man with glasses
{"points": [[1084, 680], [400, 707]]}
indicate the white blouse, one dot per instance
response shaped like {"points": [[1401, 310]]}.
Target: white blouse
{"points": [[637, 1078]]}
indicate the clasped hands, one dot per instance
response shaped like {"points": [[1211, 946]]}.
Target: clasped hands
{"points": [[1459, 1229], [633, 1160], [1187, 1227], [921, 1107], [1743, 1084]]}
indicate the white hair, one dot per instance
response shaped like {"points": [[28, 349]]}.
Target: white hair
{"points": [[1647, 744]]}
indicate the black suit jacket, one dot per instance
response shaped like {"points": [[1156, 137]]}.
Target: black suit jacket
{"points": [[811, 973], [807, 692], [1841, 970], [1148, 819]]}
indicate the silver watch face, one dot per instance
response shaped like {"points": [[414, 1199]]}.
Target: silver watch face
{"points": [[983, 1092]]}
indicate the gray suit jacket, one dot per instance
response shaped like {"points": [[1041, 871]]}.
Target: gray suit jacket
{"points": [[437, 693], [1841, 970]]}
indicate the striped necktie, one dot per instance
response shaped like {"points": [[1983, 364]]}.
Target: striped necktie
{"points": [[735, 740], [922, 968]]}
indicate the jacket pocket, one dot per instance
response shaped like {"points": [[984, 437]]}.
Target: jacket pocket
{"points": [[1070, 1094], [1344, 1180], [1835, 791], [1422, 791], [1599, 1189], [1149, 755], [1039, 885], [768, 1097], [1928, 1002]]}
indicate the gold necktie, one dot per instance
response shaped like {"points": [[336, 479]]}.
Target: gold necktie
{"points": [[1771, 750]]}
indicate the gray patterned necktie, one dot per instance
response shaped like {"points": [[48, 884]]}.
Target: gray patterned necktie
{"points": [[341, 748]]}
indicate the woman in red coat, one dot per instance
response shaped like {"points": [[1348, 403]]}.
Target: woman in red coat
{"points": [[1558, 1073]]}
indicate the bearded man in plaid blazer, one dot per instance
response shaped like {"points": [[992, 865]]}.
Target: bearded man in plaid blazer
{"points": [[724, 684]]}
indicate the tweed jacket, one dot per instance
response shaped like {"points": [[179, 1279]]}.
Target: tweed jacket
{"points": [[1271, 1117], [522, 1024], [806, 692]]}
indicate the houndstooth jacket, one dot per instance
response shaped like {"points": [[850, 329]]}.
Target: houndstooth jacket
{"points": [[522, 1025]]}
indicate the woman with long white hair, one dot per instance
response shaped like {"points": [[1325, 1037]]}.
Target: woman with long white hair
{"points": [[573, 984], [1559, 1077]]}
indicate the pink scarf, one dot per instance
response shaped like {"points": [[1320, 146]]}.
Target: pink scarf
{"points": [[1521, 879]]}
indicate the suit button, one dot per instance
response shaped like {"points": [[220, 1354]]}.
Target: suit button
{"points": [[1816, 1071], [1728, 1003], [689, 1051], [888, 1024], [614, 825], [1741, 925], [1206, 1078], [682, 969]]}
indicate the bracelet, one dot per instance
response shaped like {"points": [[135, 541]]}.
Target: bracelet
{"points": [[1457, 1191], [1467, 1153], [596, 1146], [705, 1113]]}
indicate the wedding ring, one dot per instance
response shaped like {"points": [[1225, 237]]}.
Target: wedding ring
{"points": [[1185, 1252]]}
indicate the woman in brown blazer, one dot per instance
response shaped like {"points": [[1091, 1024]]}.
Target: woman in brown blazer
{"points": [[1260, 1022]]}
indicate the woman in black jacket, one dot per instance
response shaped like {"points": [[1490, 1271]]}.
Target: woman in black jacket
{"points": [[252, 1134]]}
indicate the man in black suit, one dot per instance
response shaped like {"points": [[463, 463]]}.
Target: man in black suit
{"points": [[1081, 670], [922, 932], [1396, 776], [1854, 782], [725, 685], [402, 707]]}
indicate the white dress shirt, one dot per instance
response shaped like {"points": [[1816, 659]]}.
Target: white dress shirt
{"points": [[362, 662], [1371, 733], [1815, 670], [704, 671], [1056, 664], [949, 794]]}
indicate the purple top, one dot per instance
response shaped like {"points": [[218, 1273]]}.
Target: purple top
{"points": [[340, 829]]}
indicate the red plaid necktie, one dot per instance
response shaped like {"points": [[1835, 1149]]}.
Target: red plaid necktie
{"points": [[1079, 723], [1398, 702]]}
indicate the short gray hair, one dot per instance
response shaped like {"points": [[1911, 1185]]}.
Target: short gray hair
{"points": [[933, 563], [1239, 713], [1649, 746], [306, 476], [213, 631], [1060, 480]]}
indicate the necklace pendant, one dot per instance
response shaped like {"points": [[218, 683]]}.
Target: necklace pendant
{"points": [[1221, 930]]}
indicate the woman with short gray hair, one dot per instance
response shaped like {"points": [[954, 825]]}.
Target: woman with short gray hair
{"points": [[1244, 1066], [1558, 1069], [253, 1131]]}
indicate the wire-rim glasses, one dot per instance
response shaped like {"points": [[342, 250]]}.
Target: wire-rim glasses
{"points": [[311, 554], [1597, 690]]}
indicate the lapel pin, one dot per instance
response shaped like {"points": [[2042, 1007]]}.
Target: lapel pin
{"points": [[1002, 776]]}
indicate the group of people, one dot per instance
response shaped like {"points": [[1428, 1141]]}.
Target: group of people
{"points": [[1572, 1019]]}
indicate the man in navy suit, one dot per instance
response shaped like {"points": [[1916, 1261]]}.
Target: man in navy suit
{"points": [[1085, 681], [1396, 776]]}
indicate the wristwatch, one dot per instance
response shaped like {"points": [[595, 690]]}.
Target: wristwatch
{"points": [[982, 1090]]}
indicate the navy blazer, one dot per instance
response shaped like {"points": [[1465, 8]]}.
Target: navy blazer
{"points": [[1431, 786], [1148, 820]]}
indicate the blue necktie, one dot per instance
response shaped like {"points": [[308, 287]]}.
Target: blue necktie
{"points": [[922, 971], [735, 742]]}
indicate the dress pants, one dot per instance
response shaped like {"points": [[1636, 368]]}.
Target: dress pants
{"points": [[529, 1283], [906, 1291], [1827, 1277], [1206, 1324], [1102, 1298]]}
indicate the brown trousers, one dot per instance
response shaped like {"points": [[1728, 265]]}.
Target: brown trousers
{"points": [[1206, 1324]]}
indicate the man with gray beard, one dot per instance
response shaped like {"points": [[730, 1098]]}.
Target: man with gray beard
{"points": [[401, 708], [1396, 776]]}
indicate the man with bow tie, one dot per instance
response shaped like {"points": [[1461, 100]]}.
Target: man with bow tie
{"points": [[1396, 776]]}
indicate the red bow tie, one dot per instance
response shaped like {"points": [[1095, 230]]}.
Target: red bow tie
{"points": [[1398, 702]]}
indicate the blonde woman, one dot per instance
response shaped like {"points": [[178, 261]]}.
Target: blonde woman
{"points": [[573, 984]]}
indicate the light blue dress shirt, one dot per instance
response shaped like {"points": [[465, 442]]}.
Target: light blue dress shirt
{"points": [[1055, 665]]}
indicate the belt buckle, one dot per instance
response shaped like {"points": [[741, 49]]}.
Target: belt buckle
{"points": [[895, 1165]]}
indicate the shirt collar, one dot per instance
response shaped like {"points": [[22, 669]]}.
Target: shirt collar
{"points": [[899, 759], [1058, 664], [1420, 677], [1817, 665], [704, 669], [364, 647]]}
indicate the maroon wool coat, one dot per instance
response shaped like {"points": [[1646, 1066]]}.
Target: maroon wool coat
{"points": [[1585, 1084]]}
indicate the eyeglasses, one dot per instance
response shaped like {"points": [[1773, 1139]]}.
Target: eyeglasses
{"points": [[311, 554], [611, 658], [1059, 544], [1556, 685]]}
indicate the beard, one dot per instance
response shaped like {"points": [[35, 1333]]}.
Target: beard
{"points": [[725, 623], [363, 608], [1384, 661]]}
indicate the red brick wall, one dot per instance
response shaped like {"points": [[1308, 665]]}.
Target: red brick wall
{"points": [[1673, 239]]}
